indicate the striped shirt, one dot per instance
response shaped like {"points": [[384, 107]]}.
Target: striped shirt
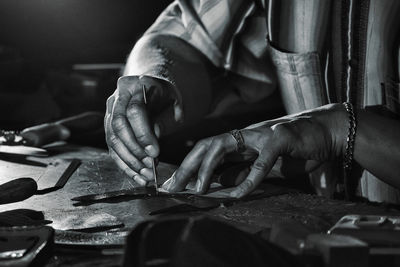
{"points": [[230, 33]]}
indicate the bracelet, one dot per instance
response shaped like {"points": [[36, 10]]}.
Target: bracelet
{"points": [[351, 137]]}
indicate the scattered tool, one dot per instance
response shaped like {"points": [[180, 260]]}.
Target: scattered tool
{"points": [[57, 174], [136, 193], [23, 150], [185, 201], [76, 126], [11, 142], [152, 159], [54, 177], [17, 190], [147, 192]]}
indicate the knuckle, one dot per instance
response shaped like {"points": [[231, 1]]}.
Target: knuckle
{"points": [[118, 124], [112, 141], [106, 120], [132, 110], [110, 101], [281, 128], [218, 142], [142, 137], [247, 184], [202, 144], [284, 131], [260, 165], [138, 152], [126, 80]]}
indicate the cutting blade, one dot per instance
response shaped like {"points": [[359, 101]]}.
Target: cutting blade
{"points": [[24, 150]]}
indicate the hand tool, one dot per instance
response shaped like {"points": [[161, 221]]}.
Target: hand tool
{"points": [[146, 192], [23, 150], [54, 176], [17, 190], [152, 159], [185, 201], [57, 174], [76, 127], [11, 142]]}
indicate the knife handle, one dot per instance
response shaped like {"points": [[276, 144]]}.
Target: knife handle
{"points": [[17, 190], [44, 134], [61, 130]]}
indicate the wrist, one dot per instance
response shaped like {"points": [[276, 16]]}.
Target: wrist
{"points": [[338, 127]]}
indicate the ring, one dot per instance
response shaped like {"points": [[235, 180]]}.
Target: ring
{"points": [[239, 140]]}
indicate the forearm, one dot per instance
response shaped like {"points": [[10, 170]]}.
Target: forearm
{"points": [[377, 146], [182, 66]]}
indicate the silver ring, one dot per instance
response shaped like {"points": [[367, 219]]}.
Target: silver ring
{"points": [[239, 140]]}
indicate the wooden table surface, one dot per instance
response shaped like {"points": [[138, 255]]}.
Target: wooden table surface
{"points": [[98, 173]]}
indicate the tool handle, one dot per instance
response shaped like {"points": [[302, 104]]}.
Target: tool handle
{"points": [[17, 190], [61, 130]]}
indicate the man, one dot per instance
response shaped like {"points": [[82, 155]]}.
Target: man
{"points": [[171, 62]]}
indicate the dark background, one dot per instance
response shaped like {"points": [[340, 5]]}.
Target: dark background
{"points": [[41, 40]]}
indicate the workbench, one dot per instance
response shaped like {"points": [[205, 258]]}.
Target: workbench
{"points": [[97, 173]]}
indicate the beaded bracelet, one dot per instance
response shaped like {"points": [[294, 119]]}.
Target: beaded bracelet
{"points": [[351, 136]]}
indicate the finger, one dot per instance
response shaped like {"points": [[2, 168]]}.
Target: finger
{"points": [[259, 170], [168, 121], [110, 103], [109, 106], [147, 174], [220, 146], [188, 167], [139, 121], [121, 150], [125, 168], [121, 126]]}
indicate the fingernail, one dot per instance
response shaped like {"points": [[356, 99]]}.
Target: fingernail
{"points": [[167, 184], [148, 162], [157, 130], [150, 150], [147, 173], [198, 186], [139, 180], [234, 194]]}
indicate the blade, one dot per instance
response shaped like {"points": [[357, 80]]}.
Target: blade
{"points": [[137, 192], [57, 174], [24, 150]]}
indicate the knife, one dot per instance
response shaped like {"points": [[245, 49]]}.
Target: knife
{"points": [[23, 150]]}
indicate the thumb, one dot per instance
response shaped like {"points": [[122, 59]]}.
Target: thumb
{"points": [[169, 121]]}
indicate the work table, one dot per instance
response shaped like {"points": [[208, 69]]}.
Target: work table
{"points": [[97, 173]]}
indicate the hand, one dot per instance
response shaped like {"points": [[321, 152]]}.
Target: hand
{"points": [[130, 133], [317, 135]]}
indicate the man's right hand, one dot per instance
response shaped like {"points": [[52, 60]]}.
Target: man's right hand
{"points": [[130, 134]]}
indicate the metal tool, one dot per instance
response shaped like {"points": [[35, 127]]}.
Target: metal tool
{"points": [[152, 159], [57, 174], [137, 192], [23, 150]]}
